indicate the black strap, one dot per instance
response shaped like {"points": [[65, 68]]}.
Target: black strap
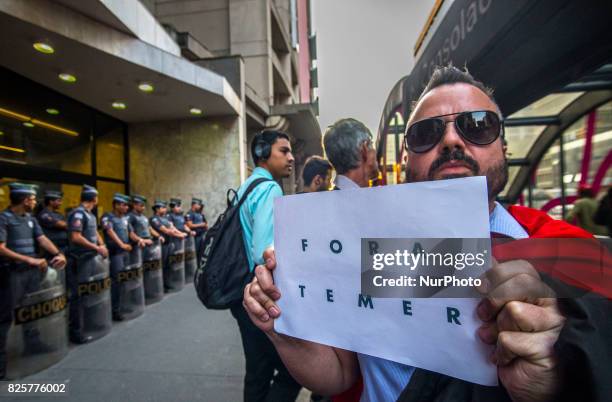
{"points": [[251, 187]]}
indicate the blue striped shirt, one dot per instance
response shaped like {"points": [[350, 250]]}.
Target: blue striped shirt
{"points": [[384, 380]]}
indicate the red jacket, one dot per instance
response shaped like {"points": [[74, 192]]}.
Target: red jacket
{"points": [[560, 250]]}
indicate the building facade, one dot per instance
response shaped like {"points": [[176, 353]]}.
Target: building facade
{"points": [[156, 98]]}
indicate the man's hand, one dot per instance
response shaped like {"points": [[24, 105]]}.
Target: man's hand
{"points": [[147, 242], [523, 320], [161, 240], [102, 250], [59, 261], [260, 295], [126, 247], [192, 233], [142, 243], [39, 263]]}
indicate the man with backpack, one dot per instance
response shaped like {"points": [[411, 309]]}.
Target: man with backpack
{"points": [[271, 151]]}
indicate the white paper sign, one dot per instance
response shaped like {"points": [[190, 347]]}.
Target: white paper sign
{"points": [[419, 333]]}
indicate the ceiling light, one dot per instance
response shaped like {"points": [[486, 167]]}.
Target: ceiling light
{"points": [[28, 124], [44, 48], [119, 105], [195, 111], [52, 111], [67, 77], [12, 149], [146, 87], [1, 132]]}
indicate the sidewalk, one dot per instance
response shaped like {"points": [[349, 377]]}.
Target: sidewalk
{"points": [[176, 351]]}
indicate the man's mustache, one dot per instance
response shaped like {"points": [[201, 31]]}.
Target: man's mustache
{"points": [[456, 155]]}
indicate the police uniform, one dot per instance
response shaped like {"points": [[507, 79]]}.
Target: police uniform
{"points": [[119, 258], [48, 219], [139, 222], [173, 263], [150, 256], [84, 221], [120, 225], [87, 276], [189, 245], [197, 218], [157, 221], [17, 279], [177, 219]]}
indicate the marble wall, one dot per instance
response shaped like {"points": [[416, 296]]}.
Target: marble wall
{"points": [[186, 158]]}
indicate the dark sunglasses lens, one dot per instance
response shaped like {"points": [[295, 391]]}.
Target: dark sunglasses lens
{"points": [[480, 128], [424, 135]]}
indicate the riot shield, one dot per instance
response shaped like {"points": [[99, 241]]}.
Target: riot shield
{"points": [[174, 269], [152, 267], [127, 288], [38, 336], [90, 302], [190, 259]]}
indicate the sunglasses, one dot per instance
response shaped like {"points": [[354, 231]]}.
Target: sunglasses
{"points": [[480, 127]]}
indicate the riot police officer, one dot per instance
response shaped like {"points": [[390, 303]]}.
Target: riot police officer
{"points": [[139, 221], [148, 257], [173, 237], [127, 290], [20, 269], [53, 223], [88, 273], [196, 221], [176, 216], [189, 254]]}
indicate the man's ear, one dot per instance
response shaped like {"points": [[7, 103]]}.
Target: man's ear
{"points": [[364, 152]]}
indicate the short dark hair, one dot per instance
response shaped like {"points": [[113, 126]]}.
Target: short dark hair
{"points": [[267, 137], [315, 165], [448, 75], [17, 198]]}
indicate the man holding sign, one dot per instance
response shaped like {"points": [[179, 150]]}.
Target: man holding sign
{"points": [[454, 131]]}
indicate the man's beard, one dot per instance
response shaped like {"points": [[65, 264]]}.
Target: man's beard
{"points": [[497, 175]]}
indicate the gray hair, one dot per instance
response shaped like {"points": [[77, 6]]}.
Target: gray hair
{"points": [[342, 141]]}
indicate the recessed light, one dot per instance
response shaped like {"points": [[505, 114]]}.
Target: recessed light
{"points": [[146, 87], [119, 105], [1, 132], [44, 47], [195, 111], [52, 111], [67, 77], [28, 124]]}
